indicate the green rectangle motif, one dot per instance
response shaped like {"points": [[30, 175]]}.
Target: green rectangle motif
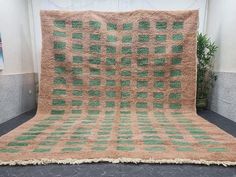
{"points": [[124, 83], [141, 105], [59, 92], [77, 71], [94, 93], [177, 37], [144, 25], [111, 38], [95, 82], [77, 24], [176, 61], [110, 82], [58, 102], [142, 83], [59, 45], [178, 25], [110, 72], [110, 94], [77, 82], [57, 112], [159, 61], [159, 84], [175, 106], [94, 60], [161, 38], [95, 48], [175, 96], [77, 92], [111, 49], [126, 50], [77, 35], [160, 49], [59, 34], [175, 84], [143, 50], [127, 39], [158, 95], [142, 73], [125, 73], [59, 80], [111, 26], [94, 24], [59, 23], [127, 26], [76, 103], [59, 57], [177, 48], [142, 94], [159, 73], [175, 73], [95, 37], [143, 38], [77, 47], [77, 59], [142, 62], [161, 25], [110, 61], [60, 69]]}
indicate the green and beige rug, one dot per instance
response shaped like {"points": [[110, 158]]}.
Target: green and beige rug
{"points": [[118, 87]]}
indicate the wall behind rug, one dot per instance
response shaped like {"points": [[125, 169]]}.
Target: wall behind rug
{"points": [[221, 28], [17, 83]]}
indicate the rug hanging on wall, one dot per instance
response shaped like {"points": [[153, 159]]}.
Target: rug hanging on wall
{"points": [[118, 87]]}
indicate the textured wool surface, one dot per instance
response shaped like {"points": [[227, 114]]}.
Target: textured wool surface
{"points": [[118, 87]]}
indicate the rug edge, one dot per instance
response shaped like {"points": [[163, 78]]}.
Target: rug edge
{"points": [[118, 160]]}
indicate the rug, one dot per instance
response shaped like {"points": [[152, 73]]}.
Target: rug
{"points": [[118, 87]]}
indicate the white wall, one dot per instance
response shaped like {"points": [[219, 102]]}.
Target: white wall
{"points": [[222, 29], [15, 33], [106, 5]]}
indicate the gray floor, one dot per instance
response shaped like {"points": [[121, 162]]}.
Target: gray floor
{"points": [[120, 170]]}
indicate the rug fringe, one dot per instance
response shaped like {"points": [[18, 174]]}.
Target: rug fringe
{"points": [[119, 160]]}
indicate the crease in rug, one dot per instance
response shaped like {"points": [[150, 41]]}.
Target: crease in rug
{"points": [[118, 87]]}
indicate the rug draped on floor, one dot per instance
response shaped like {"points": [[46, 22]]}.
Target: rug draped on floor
{"points": [[118, 87]]}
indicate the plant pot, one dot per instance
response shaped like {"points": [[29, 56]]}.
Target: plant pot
{"points": [[201, 103]]}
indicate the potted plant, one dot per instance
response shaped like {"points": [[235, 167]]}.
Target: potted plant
{"points": [[205, 75]]}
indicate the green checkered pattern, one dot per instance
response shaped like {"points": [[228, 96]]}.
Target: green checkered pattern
{"points": [[101, 71], [112, 83]]}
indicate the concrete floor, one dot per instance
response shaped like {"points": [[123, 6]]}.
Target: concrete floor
{"points": [[120, 170]]}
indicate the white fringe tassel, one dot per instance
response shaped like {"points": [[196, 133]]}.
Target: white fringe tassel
{"points": [[119, 160]]}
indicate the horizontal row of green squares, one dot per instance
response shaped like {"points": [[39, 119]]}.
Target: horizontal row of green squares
{"points": [[160, 25], [112, 72], [97, 82], [125, 39], [123, 94], [97, 93], [122, 104], [112, 49], [124, 61], [112, 61], [94, 24], [141, 38]]}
